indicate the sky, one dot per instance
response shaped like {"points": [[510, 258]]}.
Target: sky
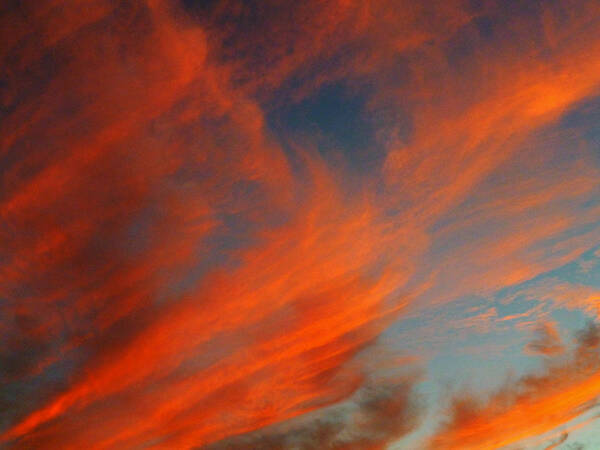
{"points": [[324, 224]]}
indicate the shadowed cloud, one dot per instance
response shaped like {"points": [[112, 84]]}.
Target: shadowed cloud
{"points": [[371, 418]]}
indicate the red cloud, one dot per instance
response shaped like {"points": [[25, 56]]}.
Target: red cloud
{"points": [[171, 275]]}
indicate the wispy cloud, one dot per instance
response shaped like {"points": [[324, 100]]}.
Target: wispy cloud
{"points": [[547, 342], [531, 405], [175, 271]]}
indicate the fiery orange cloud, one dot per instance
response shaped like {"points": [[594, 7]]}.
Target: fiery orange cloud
{"points": [[296, 285], [523, 95], [535, 404], [118, 216], [173, 275]]}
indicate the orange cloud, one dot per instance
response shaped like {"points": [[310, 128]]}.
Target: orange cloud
{"points": [[116, 217], [187, 278], [534, 405]]}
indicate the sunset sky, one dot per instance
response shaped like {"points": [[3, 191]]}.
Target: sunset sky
{"points": [[285, 224]]}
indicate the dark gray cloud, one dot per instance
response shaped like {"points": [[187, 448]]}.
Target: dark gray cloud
{"points": [[377, 414]]}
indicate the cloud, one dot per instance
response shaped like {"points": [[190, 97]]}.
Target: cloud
{"points": [[376, 415], [529, 406], [547, 341], [559, 293], [563, 437], [486, 180], [178, 258], [173, 273], [326, 42]]}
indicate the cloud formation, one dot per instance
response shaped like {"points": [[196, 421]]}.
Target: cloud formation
{"points": [[531, 405], [373, 417], [181, 263], [547, 341]]}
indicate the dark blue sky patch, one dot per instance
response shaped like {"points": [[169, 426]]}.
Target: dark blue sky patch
{"points": [[340, 121]]}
